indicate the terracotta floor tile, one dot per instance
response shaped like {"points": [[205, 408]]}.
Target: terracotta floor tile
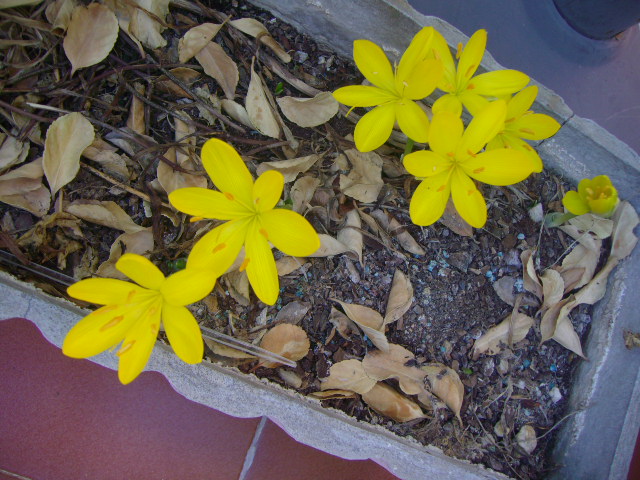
{"points": [[280, 457], [69, 419]]}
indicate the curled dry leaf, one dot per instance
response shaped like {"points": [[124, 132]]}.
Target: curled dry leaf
{"points": [[579, 266], [309, 112], [226, 351], [556, 325], [219, 66], [381, 365], [105, 154], [195, 40], [91, 34], [393, 227], [400, 297], [446, 385], [454, 222], [12, 152], [370, 321], [333, 394], [329, 247], [144, 27], [184, 74], [259, 109], [600, 227], [597, 287], [140, 242], [623, 240], [585, 238], [302, 192], [530, 277], [512, 329], [505, 286], [552, 288], [290, 168], [66, 139], [256, 29], [236, 111], [290, 377], [287, 265], [526, 439], [23, 188], [108, 214], [348, 375], [17, 3], [386, 401], [343, 325], [290, 341], [350, 234], [237, 283], [566, 335], [293, 312], [59, 14], [365, 178]]}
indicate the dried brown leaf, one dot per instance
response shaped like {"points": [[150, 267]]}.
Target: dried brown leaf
{"points": [[400, 297], [348, 375], [302, 192], [290, 168], [530, 277], [550, 318], [136, 121], [365, 178], [59, 14], [597, 287], [583, 258], [23, 188], [585, 238], [287, 265], [195, 39], [600, 227], [140, 242], [219, 66], [91, 35], [623, 240], [566, 335], [12, 152], [259, 109], [370, 321], [309, 112], [393, 227], [287, 340], [105, 213], [512, 329], [333, 394], [256, 29], [386, 401], [381, 365], [552, 288], [226, 351], [454, 222], [293, 312], [66, 139], [236, 111], [446, 385], [343, 325], [184, 74], [350, 235], [144, 27], [329, 247]]}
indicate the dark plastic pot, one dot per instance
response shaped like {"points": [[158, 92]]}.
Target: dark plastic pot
{"points": [[599, 19]]}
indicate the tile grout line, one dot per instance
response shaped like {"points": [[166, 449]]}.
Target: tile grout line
{"points": [[251, 451]]}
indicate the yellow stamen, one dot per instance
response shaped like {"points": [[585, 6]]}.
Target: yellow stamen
{"points": [[459, 51], [219, 247], [442, 187], [243, 267], [125, 348], [527, 130], [130, 296], [479, 170], [471, 86], [195, 219], [451, 154], [470, 70], [229, 196], [264, 233], [527, 147], [112, 323], [470, 192], [474, 155]]}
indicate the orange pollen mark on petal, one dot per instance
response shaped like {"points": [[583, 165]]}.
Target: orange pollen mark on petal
{"points": [[527, 130], [451, 154], [436, 54], [130, 296], [152, 311], [474, 155], [526, 146], [469, 70], [154, 327], [471, 86], [441, 189], [479, 170], [195, 219], [125, 348], [470, 192], [509, 119], [459, 51], [264, 233], [243, 267], [220, 246], [229, 196], [112, 323]]}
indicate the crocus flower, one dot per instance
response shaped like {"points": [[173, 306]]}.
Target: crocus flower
{"points": [[132, 314], [453, 161], [253, 220], [459, 84], [392, 93], [522, 124], [597, 196]]}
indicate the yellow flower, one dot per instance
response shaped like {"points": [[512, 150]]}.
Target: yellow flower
{"points": [[461, 87], [522, 124], [597, 196], [392, 93], [132, 314], [253, 220], [453, 161]]}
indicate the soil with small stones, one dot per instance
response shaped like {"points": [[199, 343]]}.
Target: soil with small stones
{"points": [[454, 299]]}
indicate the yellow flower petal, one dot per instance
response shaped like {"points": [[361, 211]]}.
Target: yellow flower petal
{"points": [[415, 53], [521, 102], [448, 103], [498, 83], [504, 166], [421, 81], [574, 204], [140, 270], [363, 96], [261, 266], [440, 51], [267, 190], [99, 331], [471, 57], [473, 102], [374, 64], [430, 199], [103, 291], [511, 141], [412, 120], [445, 133], [535, 126], [183, 333], [425, 163], [374, 128], [227, 170], [187, 286], [201, 202], [138, 344], [468, 201], [484, 126], [217, 250], [289, 232]]}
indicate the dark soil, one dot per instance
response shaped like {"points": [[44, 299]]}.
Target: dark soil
{"points": [[454, 304]]}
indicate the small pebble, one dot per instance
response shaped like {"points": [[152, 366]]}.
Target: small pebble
{"points": [[553, 368], [555, 395], [521, 236], [526, 363]]}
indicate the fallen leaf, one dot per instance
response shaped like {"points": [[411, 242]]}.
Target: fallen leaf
{"points": [[600, 227], [59, 14], [400, 297], [195, 39], [259, 109], [17, 3], [454, 222], [348, 375], [287, 265], [256, 29], [566, 335], [350, 235], [236, 112], [290, 377], [381, 365], [146, 28], [290, 168], [386, 401], [226, 351], [333, 394], [623, 240], [552, 288], [184, 74], [343, 325], [140, 242], [219, 66], [513, 329], [106, 213], [393, 227], [66, 139], [631, 339], [302, 192], [370, 321], [530, 277], [585, 238], [290, 341], [597, 287], [293, 312], [446, 385], [329, 247], [309, 112], [23, 188], [550, 318], [12, 152], [526, 439], [365, 178], [91, 35], [135, 121], [583, 258]]}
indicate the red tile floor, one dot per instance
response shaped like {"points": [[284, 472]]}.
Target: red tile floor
{"points": [[69, 419]]}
